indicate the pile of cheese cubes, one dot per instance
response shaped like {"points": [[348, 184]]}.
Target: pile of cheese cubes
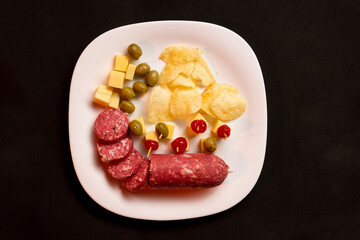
{"points": [[108, 95]]}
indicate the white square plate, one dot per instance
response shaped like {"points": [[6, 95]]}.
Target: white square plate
{"points": [[231, 60]]}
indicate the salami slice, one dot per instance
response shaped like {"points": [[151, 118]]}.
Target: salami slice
{"points": [[126, 167], [196, 170], [117, 150], [140, 179], [111, 125]]}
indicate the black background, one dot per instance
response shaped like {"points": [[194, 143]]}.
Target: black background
{"points": [[309, 54]]}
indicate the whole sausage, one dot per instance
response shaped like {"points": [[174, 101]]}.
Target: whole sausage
{"points": [[193, 170]]}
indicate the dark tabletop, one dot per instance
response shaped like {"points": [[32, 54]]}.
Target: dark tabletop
{"points": [[309, 55]]}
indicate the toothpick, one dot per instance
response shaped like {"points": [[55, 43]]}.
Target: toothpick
{"points": [[148, 152]]}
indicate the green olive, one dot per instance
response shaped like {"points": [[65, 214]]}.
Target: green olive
{"points": [[162, 129], [152, 78], [142, 69], [127, 93], [127, 106], [134, 51], [140, 87], [210, 144], [136, 127]]}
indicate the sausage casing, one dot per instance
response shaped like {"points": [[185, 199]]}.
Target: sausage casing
{"points": [[191, 170]]}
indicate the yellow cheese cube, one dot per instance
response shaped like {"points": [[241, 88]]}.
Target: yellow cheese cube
{"points": [[104, 89], [114, 100], [102, 99], [151, 136], [116, 79], [130, 72], [216, 126], [171, 128], [141, 121], [121, 63], [197, 117]]}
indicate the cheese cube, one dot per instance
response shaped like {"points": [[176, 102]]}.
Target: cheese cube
{"points": [[130, 72], [116, 79], [102, 99], [151, 136], [104, 89], [114, 100], [216, 126], [171, 128], [141, 121], [121, 63], [197, 117]]}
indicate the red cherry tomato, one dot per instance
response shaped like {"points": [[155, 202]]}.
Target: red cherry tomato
{"points": [[223, 131], [179, 145], [151, 144], [198, 126]]}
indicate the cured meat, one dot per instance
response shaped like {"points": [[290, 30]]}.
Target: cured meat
{"points": [[111, 125], [195, 170], [127, 166], [140, 179], [117, 150]]}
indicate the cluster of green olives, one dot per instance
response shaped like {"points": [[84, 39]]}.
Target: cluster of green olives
{"points": [[139, 88], [151, 77]]}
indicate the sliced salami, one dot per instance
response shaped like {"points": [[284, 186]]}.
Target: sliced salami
{"points": [[126, 167], [140, 179], [196, 170], [113, 151], [111, 125]]}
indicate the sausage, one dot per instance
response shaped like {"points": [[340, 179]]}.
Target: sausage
{"points": [[193, 170], [140, 179], [126, 167], [111, 125], [113, 151]]}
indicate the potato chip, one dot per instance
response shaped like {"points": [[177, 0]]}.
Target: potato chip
{"points": [[228, 106], [158, 108], [207, 82], [171, 72], [212, 92], [168, 74], [184, 102], [188, 68], [202, 73], [180, 54], [182, 81]]}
